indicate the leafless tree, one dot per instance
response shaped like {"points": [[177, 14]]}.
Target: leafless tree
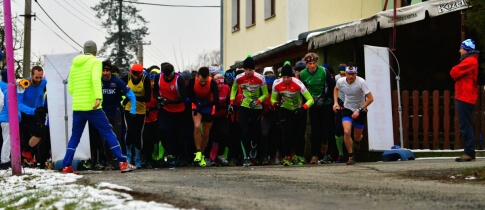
{"points": [[206, 58], [18, 43]]}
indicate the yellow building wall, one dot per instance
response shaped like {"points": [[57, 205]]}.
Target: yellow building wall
{"points": [[272, 32], [264, 34], [325, 13]]}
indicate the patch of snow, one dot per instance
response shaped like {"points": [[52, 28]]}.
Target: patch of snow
{"points": [[470, 178], [113, 186], [452, 177], [59, 190]]}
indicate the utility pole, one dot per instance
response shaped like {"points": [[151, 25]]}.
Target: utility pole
{"points": [[120, 47], [221, 49], [140, 51], [27, 37]]}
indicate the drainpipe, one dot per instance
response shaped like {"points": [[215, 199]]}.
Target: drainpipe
{"points": [[463, 26], [394, 33]]}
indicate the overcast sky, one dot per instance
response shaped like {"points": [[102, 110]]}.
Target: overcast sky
{"points": [[177, 34]]}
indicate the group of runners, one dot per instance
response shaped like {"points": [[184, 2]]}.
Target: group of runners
{"points": [[155, 117]]}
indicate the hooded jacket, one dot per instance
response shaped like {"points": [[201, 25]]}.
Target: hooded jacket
{"points": [[465, 75], [85, 82]]}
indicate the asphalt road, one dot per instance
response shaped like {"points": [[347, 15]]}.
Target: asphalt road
{"points": [[419, 184]]}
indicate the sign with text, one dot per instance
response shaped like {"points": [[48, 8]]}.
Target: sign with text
{"points": [[379, 117], [57, 70]]}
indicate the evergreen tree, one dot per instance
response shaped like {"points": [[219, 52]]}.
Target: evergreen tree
{"points": [[476, 21], [133, 30]]}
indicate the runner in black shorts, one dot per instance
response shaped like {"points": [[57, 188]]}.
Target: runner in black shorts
{"points": [[357, 98], [204, 95]]}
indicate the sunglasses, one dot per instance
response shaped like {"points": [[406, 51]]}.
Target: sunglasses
{"points": [[136, 73]]}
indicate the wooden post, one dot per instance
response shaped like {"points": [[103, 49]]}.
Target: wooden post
{"points": [[436, 118], [415, 119], [425, 119], [446, 119], [405, 118]]}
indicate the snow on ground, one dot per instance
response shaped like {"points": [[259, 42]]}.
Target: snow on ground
{"points": [[38, 188]]}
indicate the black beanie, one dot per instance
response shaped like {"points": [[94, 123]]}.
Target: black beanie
{"points": [[249, 63], [286, 70]]}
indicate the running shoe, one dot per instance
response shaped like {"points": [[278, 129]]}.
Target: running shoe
{"points": [[198, 157], [99, 166], [276, 161], [246, 162], [314, 160], [126, 167], [223, 160], [202, 161], [351, 161], [326, 160], [339, 159], [67, 169], [287, 161]]}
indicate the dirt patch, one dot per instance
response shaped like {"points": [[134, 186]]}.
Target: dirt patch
{"points": [[471, 175]]}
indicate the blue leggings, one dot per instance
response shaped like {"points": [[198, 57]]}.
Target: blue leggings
{"points": [[98, 119]]}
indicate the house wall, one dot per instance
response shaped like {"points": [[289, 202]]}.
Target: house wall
{"points": [[291, 18]]}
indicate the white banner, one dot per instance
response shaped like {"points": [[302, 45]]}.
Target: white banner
{"points": [[57, 68], [379, 117]]}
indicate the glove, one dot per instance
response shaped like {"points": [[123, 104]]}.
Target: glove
{"points": [[163, 102], [125, 101], [300, 110], [230, 109], [253, 104], [40, 111]]}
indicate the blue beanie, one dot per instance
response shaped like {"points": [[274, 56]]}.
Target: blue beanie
{"points": [[468, 45]]}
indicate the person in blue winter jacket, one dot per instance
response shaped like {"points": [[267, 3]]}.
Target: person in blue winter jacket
{"points": [[5, 154], [32, 108]]}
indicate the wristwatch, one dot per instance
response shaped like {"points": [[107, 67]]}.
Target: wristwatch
{"points": [[361, 109]]}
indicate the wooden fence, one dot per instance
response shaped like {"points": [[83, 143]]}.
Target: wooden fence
{"points": [[431, 122]]}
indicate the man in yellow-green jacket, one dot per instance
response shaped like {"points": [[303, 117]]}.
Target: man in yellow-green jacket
{"points": [[85, 87]]}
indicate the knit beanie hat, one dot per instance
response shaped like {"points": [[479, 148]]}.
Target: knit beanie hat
{"points": [[186, 75], [213, 70], [248, 63], [90, 47], [300, 65], [137, 67], [468, 45], [286, 70]]}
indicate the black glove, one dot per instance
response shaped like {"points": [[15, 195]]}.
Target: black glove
{"points": [[125, 101], [230, 109], [253, 104], [300, 110], [163, 102], [40, 111]]}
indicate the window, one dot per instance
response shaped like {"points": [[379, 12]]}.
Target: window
{"points": [[235, 15], [269, 9], [250, 13]]}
